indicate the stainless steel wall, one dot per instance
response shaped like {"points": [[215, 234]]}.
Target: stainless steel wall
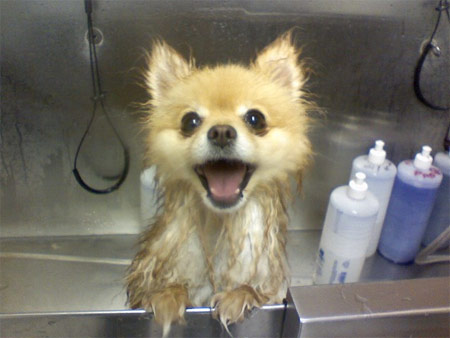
{"points": [[363, 53]]}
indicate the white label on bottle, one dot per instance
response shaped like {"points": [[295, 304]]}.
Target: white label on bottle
{"points": [[332, 269]]}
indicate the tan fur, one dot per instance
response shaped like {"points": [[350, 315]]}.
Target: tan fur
{"points": [[195, 254]]}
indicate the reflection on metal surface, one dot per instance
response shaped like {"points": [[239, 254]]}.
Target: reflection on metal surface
{"points": [[65, 258], [97, 34]]}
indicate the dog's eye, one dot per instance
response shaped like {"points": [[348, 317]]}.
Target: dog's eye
{"points": [[190, 122], [255, 119]]}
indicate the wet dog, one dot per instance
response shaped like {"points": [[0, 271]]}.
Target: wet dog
{"points": [[225, 141]]}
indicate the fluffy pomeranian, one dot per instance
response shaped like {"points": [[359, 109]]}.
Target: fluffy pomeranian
{"points": [[225, 141]]}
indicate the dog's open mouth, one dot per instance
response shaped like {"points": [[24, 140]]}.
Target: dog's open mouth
{"points": [[224, 180]]}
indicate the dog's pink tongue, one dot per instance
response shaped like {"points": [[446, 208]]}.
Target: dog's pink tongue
{"points": [[224, 179]]}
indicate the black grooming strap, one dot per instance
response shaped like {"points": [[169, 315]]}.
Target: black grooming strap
{"points": [[98, 97]]}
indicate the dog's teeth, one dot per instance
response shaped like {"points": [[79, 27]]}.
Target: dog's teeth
{"points": [[237, 191], [212, 190]]}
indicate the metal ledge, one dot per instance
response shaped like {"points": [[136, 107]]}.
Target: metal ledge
{"points": [[407, 308], [264, 322]]}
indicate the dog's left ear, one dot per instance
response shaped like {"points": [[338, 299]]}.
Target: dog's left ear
{"points": [[279, 60]]}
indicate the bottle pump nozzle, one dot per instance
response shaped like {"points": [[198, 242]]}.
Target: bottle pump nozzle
{"points": [[377, 155], [357, 188], [423, 160]]}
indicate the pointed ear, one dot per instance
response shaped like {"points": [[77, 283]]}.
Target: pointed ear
{"points": [[165, 67], [279, 61]]}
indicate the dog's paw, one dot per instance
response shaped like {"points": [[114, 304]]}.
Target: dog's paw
{"points": [[231, 306], [168, 306]]}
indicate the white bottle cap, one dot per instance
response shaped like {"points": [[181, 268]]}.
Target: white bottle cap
{"points": [[423, 160], [357, 188], [377, 155]]}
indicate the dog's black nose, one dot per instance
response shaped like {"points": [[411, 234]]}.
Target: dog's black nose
{"points": [[222, 135]]}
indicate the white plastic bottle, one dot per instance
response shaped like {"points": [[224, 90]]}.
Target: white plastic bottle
{"points": [[149, 196], [440, 215], [412, 199], [351, 215], [380, 176]]}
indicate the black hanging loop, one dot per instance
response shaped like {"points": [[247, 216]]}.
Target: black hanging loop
{"points": [[98, 98], [443, 6]]}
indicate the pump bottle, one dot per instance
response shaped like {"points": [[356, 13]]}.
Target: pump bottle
{"points": [[380, 176], [440, 215], [412, 199], [351, 215]]}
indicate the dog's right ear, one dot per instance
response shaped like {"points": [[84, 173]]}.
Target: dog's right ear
{"points": [[165, 67]]}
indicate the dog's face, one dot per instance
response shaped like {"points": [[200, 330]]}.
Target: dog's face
{"points": [[229, 129]]}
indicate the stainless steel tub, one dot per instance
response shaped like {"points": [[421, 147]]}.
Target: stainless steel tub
{"points": [[73, 286]]}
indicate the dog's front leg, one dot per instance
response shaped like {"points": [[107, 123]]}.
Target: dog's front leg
{"points": [[162, 272], [168, 304]]}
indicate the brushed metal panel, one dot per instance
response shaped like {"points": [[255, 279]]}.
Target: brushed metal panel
{"points": [[396, 308], [86, 273], [265, 322], [363, 55]]}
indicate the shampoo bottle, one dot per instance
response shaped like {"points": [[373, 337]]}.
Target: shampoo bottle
{"points": [[380, 176], [412, 199], [351, 214], [440, 215]]}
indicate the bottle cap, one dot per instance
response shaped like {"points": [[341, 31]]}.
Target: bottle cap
{"points": [[377, 155], [357, 188], [423, 160]]}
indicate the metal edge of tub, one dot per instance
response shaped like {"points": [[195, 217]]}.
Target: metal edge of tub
{"points": [[405, 308], [265, 322]]}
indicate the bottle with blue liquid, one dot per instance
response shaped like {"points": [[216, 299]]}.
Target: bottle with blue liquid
{"points": [[412, 199], [352, 211], [380, 176]]}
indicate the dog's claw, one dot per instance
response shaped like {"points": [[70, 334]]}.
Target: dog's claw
{"points": [[168, 306], [231, 306]]}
